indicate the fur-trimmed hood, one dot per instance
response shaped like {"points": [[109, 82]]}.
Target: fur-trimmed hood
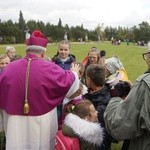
{"points": [[88, 131]]}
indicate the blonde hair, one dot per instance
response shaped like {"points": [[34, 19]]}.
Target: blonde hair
{"points": [[3, 56], [65, 42]]}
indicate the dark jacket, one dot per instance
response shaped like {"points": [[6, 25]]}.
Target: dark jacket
{"points": [[100, 100], [65, 65]]}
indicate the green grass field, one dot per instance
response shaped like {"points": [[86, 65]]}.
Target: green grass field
{"points": [[131, 56]]}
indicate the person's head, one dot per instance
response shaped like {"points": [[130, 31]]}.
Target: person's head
{"points": [[102, 56], [122, 88], [78, 92], [36, 44], [93, 56], [82, 69], [146, 56], [85, 110], [102, 53], [112, 65], [10, 51], [63, 49], [4, 61], [95, 74]]}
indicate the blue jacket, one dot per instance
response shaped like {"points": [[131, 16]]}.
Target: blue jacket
{"points": [[65, 65]]}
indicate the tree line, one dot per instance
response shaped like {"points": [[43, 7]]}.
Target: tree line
{"points": [[15, 32]]}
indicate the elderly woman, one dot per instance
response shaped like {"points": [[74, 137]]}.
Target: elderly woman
{"points": [[10, 52], [115, 71]]}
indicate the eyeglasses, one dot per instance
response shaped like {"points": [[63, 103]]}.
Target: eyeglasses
{"points": [[92, 57], [145, 55]]}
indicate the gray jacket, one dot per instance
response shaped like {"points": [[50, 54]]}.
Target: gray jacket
{"points": [[130, 118]]}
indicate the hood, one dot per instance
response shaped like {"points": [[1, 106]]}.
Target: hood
{"points": [[88, 131]]}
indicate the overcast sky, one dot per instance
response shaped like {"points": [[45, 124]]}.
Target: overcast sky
{"points": [[90, 13]]}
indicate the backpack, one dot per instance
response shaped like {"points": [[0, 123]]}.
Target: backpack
{"points": [[63, 142]]}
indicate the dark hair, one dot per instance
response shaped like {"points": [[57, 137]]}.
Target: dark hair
{"points": [[82, 109], [102, 53], [96, 72], [122, 88]]}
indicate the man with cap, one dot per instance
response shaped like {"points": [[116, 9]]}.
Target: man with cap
{"points": [[130, 119], [30, 90]]}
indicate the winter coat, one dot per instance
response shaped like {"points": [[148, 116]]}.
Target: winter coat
{"points": [[130, 119], [100, 99], [65, 65], [90, 134]]}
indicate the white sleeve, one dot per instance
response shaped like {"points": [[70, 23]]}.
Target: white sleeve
{"points": [[74, 87]]}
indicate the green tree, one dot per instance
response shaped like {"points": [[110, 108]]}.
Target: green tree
{"points": [[41, 26], [22, 26], [59, 23], [144, 30], [32, 25]]}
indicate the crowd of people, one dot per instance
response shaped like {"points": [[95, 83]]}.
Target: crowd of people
{"points": [[93, 101]]}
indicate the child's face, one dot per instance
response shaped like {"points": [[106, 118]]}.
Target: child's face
{"points": [[4, 62], [93, 58], [93, 114], [63, 51]]}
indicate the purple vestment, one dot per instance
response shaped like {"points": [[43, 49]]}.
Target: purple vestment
{"points": [[48, 85]]}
